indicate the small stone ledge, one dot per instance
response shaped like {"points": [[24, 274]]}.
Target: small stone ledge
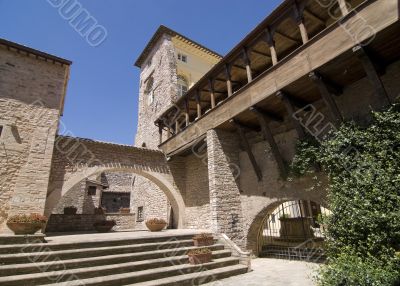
{"points": [[22, 239]]}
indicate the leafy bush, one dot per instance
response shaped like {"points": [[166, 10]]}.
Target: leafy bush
{"points": [[363, 165], [32, 218]]}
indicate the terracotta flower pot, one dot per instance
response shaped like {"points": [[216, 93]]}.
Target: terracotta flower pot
{"points": [[156, 226], [200, 258], [203, 241], [23, 228]]}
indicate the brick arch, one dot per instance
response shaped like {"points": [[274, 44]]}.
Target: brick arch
{"points": [[77, 159], [252, 238]]}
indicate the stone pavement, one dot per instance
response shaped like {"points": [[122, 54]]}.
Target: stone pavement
{"points": [[274, 272]]}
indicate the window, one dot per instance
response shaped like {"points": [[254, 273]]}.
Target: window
{"points": [[140, 214], [91, 190], [182, 86], [182, 57], [149, 90], [149, 62], [1, 130]]}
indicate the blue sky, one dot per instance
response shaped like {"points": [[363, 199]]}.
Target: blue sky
{"points": [[103, 88]]}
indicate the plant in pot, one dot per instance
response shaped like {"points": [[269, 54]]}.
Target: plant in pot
{"points": [[156, 224], [26, 224], [125, 210], [99, 210], [203, 239], [104, 225], [199, 256], [70, 210]]}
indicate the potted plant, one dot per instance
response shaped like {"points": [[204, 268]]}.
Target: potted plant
{"points": [[70, 210], [156, 224], [125, 210], [99, 210], [199, 256], [203, 239], [26, 224], [104, 225]]}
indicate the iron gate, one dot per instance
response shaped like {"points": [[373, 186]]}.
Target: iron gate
{"points": [[293, 230]]}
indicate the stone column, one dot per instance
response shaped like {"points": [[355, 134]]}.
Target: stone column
{"points": [[223, 170]]}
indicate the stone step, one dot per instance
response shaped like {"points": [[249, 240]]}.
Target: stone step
{"points": [[197, 278], [105, 270], [16, 248], [55, 265], [133, 251], [151, 274]]}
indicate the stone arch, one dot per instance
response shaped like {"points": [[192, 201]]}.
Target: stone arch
{"points": [[252, 236], [163, 181]]}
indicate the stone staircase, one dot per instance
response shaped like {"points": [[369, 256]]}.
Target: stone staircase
{"points": [[140, 261]]}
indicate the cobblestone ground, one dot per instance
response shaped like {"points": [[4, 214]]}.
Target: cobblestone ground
{"points": [[274, 272]]}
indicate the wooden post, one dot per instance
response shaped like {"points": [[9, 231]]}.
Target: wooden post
{"points": [[198, 105], [177, 127], [160, 131], [343, 7], [247, 147], [371, 72], [290, 109], [303, 31], [169, 131], [212, 93], [327, 97], [269, 137], [269, 39], [187, 112], [228, 68], [247, 62]]}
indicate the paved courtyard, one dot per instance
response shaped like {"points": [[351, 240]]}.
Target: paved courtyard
{"points": [[274, 272]]}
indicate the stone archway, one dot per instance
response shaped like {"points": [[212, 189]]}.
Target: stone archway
{"points": [[77, 159], [253, 233]]}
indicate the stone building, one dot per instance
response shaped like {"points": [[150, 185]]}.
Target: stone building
{"points": [[225, 131]]}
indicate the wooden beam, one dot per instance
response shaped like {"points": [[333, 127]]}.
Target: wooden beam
{"points": [[330, 103], [247, 62], [267, 114], [288, 37], [291, 110], [314, 17], [260, 53], [372, 73], [269, 137], [239, 67], [247, 148]]}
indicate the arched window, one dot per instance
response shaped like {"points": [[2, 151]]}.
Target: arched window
{"points": [[182, 85]]}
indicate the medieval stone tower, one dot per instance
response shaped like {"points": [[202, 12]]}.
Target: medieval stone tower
{"points": [[170, 64]]}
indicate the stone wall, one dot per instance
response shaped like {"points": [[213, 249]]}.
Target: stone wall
{"points": [[225, 204], [31, 95]]}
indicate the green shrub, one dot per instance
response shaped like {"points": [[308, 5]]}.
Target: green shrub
{"points": [[363, 166]]}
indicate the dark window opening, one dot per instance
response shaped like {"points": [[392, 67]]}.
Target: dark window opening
{"points": [[92, 190], [1, 130], [113, 202]]}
